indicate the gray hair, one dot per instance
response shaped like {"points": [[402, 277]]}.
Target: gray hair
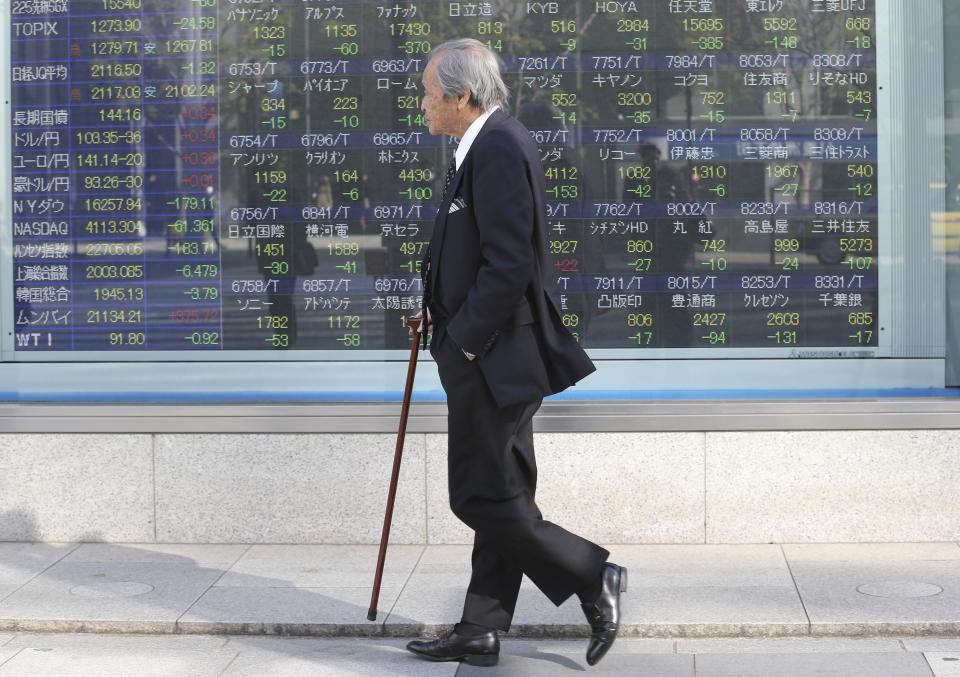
{"points": [[468, 64]]}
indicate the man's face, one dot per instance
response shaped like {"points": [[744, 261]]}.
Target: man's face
{"points": [[441, 115]]}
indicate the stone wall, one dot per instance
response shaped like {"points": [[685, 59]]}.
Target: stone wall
{"points": [[656, 487]]}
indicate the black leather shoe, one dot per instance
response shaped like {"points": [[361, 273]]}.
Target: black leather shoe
{"points": [[603, 615], [482, 651]]}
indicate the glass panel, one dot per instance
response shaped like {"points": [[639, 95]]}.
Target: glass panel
{"points": [[726, 180]]}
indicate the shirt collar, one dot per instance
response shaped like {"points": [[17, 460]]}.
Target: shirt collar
{"points": [[468, 136]]}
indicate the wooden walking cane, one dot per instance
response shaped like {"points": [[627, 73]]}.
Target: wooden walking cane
{"points": [[414, 324]]}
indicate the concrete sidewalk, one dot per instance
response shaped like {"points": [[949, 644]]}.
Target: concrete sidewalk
{"points": [[88, 655], [676, 591]]}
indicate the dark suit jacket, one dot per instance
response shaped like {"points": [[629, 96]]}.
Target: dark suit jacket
{"points": [[492, 291]]}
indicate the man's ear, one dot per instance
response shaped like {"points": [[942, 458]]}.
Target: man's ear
{"points": [[463, 100]]}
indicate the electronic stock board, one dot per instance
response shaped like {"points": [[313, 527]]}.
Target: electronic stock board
{"points": [[218, 175]]}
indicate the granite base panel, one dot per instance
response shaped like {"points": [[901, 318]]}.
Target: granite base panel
{"points": [[690, 487]]}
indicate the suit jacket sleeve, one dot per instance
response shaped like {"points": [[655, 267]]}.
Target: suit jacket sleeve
{"points": [[503, 210]]}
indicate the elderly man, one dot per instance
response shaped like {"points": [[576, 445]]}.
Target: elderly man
{"points": [[500, 347]]}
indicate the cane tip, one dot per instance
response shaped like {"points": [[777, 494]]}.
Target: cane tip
{"points": [[372, 615]]}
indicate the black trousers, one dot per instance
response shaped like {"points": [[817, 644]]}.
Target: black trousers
{"points": [[492, 475]]}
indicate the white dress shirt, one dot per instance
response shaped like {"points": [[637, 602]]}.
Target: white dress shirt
{"points": [[468, 136]]}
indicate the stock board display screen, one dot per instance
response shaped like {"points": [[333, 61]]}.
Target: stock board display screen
{"points": [[215, 175]]}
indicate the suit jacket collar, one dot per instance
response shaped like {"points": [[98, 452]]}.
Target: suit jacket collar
{"points": [[440, 223], [494, 120], [469, 136]]}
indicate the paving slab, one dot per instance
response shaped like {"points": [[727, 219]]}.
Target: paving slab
{"points": [[944, 664], [789, 645], [806, 665], [547, 663], [713, 590], [289, 611], [302, 589], [113, 642], [119, 588], [115, 655], [432, 599], [936, 644], [321, 566], [858, 552], [870, 589], [6, 652], [675, 591], [6, 655], [579, 646], [217, 556], [536, 615], [288, 657], [20, 562], [107, 596], [259, 656]]}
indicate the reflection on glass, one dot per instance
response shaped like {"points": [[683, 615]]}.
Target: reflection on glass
{"points": [[209, 175]]}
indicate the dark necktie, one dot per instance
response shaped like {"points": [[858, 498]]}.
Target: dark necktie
{"points": [[451, 172]]}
